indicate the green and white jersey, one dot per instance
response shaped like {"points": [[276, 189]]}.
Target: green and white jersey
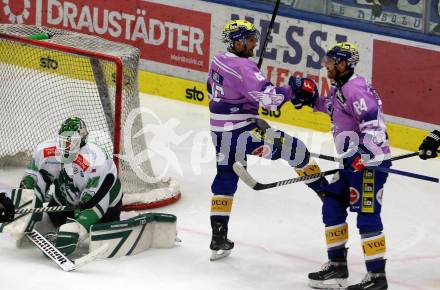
{"points": [[89, 183]]}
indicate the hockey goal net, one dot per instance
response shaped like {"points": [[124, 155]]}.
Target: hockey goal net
{"points": [[48, 75]]}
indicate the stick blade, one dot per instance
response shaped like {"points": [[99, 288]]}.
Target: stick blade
{"points": [[51, 251], [244, 175]]}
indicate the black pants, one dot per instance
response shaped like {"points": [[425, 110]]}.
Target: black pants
{"points": [[60, 218]]}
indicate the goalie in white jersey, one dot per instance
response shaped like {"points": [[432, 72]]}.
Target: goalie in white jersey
{"points": [[84, 177]]}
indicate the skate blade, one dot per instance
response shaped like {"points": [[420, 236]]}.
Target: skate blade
{"points": [[329, 284], [220, 254]]}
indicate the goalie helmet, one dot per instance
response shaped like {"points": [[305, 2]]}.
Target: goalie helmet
{"points": [[71, 137], [344, 51], [238, 30]]}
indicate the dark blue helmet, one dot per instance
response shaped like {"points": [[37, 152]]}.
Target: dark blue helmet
{"points": [[344, 51]]}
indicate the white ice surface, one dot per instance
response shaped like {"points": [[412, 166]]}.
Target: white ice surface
{"points": [[278, 232]]}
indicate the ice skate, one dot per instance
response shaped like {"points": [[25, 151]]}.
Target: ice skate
{"points": [[333, 275], [371, 281], [220, 245]]}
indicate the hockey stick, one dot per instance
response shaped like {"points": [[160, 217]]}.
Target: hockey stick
{"points": [[404, 173], [264, 126], [269, 31], [40, 209], [251, 182], [331, 158], [51, 251], [43, 209], [244, 175], [59, 258]]}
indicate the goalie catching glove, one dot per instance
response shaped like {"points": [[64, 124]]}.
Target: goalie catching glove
{"points": [[7, 209], [305, 91]]}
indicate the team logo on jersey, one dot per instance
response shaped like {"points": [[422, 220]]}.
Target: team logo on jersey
{"points": [[262, 151], [340, 97], [49, 151], [354, 195], [234, 109], [17, 18], [82, 162]]}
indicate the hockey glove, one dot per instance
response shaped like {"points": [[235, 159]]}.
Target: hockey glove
{"points": [[429, 146], [305, 91], [69, 235], [356, 162], [7, 209]]}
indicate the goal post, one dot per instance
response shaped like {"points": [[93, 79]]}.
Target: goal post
{"points": [[48, 75]]}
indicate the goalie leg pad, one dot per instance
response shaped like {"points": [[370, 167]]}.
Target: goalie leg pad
{"points": [[44, 227], [135, 235]]}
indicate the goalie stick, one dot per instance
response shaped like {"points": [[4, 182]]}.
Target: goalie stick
{"points": [[59, 258], [43, 209]]}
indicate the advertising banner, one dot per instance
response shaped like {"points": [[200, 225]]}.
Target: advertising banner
{"points": [[164, 34]]}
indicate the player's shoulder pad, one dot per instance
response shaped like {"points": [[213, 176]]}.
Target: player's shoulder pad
{"points": [[354, 88], [46, 149], [241, 64], [94, 149], [95, 157]]}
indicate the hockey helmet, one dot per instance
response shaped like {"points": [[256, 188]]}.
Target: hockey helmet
{"points": [[344, 51], [238, 30], [71, 137]]}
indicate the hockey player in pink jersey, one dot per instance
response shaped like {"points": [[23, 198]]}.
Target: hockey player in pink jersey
{"points": [[237, 89], [360, 136]]}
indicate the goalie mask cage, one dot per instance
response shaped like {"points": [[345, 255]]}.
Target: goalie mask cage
{"points": [[43, 82]]}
